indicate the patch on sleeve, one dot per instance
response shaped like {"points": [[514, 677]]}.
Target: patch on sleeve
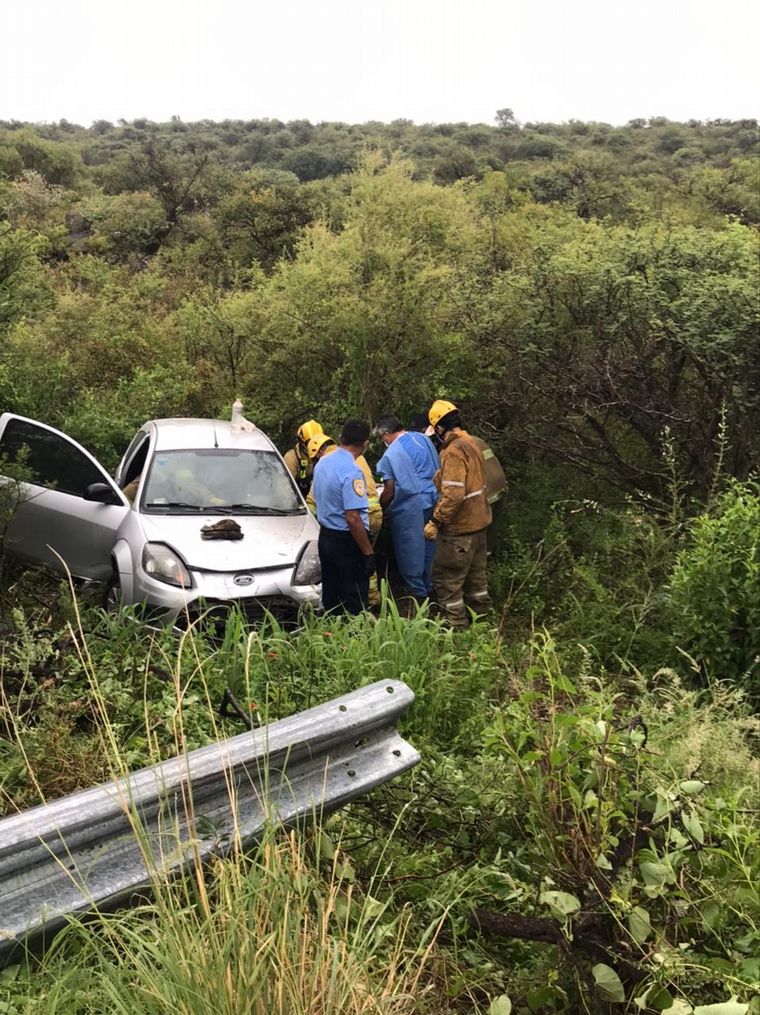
{"points": [[360, 487]]}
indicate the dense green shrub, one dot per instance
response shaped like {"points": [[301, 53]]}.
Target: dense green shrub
{"points": [[595, 576], [24, 290], [132, 223], [59, 163], [599, 821], [715, 590]]}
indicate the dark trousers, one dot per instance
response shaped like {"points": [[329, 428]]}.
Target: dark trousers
{"points": [[345, 585]]}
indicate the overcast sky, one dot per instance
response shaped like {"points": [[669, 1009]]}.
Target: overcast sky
{"points": [[355, 60]]}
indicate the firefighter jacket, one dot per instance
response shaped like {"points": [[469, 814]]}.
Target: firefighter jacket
{"points": [[496, 480], [461, 480], [299, 467], [375, 511]]}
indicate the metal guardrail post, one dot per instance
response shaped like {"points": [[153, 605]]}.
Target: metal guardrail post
{"points": [[96, 848]]}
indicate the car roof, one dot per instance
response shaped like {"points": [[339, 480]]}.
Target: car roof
{"points": [[186, 434]]}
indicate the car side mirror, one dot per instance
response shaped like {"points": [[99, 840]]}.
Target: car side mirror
{"points": [[101, 493]]}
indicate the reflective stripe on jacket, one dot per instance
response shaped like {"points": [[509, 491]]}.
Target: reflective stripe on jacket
{"points": [[461, 480]]}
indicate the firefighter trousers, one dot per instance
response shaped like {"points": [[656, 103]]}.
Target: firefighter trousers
{"points": [[459, 576]]}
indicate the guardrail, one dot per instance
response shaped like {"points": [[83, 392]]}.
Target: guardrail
{"points": [[95, 849]]}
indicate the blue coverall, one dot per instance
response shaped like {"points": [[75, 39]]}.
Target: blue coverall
{"points": [[411, 462]]}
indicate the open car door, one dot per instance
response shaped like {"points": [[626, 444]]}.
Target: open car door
{"points": [[61, 501]]}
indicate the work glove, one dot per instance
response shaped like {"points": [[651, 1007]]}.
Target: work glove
{"points": [[430, 531], [370, 565]]}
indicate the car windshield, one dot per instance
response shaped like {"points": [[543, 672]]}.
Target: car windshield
{"points": [[219, 480]]}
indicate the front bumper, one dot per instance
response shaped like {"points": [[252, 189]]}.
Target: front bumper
{"points": [[216, 593]]}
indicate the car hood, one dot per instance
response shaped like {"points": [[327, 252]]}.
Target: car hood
{"points": [[267, 542]]}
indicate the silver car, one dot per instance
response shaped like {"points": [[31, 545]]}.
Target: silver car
{"points": [[184, 475]]}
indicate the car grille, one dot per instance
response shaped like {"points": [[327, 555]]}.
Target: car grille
{"points": [[253, 609]]}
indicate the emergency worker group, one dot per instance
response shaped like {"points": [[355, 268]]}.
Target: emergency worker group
{"points": [[442, 490]]}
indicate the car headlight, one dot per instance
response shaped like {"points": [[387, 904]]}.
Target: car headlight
{"points": [[308, 570], [164, 565]]}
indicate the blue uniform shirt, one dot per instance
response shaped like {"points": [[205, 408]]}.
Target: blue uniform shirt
{"points": [[339, 486], [411, 461]]}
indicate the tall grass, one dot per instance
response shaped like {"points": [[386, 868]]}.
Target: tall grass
{"points": [[274, 933], [103, 695], [284, 928], [281, 671]]}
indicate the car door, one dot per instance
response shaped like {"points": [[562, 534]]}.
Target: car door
{"points": [[44, 476], [133, 462]]}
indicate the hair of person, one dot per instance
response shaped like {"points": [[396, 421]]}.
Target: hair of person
{"points": [[450, 420], [419, 422], [388, 424], [355, 432]]}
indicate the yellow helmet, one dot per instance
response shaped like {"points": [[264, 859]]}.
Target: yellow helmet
{"points": [[439, 409], [316, 444], [308, 430]]}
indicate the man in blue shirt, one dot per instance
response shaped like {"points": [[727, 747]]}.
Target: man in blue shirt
{"points": [[345, 550], [409, 496]]}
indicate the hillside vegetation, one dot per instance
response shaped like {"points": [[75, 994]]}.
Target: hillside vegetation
{"points": [[581, 835]]}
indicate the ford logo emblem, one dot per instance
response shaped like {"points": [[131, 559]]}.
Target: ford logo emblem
{"points": [[243, 579]]}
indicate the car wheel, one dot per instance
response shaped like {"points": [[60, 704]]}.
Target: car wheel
{"points": [[112, 594]]}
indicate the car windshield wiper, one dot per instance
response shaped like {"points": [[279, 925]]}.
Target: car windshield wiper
{"points": [[253, 509], [174, 504]]}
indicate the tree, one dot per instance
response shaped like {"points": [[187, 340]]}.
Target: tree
{"points": [[626, 353], [359, 320], [58, 163], [11, 164], [505, 119], [729, 191], [591, 182], [177, 177], [455, 162], [132, 223], [315, 161], [222, 333], [262, 219], [23, 287]]}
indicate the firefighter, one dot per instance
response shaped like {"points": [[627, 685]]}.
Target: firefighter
{"points": [[345, 550], [408, 498], [297, 459], [460, 520]]}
